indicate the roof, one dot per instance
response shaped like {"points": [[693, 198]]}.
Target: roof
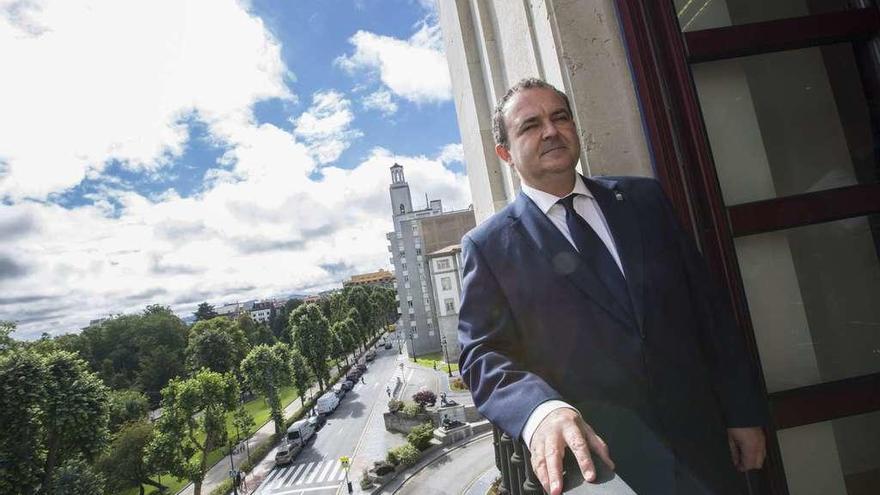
{"points": [[372, 277], [455, 248]]}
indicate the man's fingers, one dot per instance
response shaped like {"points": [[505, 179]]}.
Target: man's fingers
{"points": [[553, 455], [600, 447], [539, 466], [734, 453], [574, 437]]}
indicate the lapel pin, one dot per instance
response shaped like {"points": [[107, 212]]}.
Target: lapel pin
{"points": [[618, 196]]}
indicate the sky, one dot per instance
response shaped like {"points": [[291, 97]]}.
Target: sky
{"points": [[174, 152]]}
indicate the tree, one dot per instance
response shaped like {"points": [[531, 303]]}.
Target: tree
{"points": [[243, 422], [205, 312], [338, 343], [193, 423], [76, 477], [281, 321], [311, 336], [256, 333], [22, 394], [300, 373], [218, 344], [359, 300], [124, 463], [6, 329], [266, 369], [126, 406]]}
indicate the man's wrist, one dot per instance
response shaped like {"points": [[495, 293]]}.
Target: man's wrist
{"points": [[538, 415]]}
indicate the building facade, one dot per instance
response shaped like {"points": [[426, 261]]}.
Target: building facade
{"points": [[445, 268], [408, 248], [761, 121], [262, 312]]}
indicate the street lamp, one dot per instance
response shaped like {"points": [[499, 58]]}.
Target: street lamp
{"points": [[446, 353], [412, 344], [232, 472]]}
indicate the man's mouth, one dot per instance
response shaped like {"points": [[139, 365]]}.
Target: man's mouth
{"points": [[553, 148]]}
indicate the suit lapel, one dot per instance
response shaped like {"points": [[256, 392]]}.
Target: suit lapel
{"points": [[624, 226], [542, 235]]}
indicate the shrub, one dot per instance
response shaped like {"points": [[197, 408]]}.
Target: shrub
{"points": [[420, 436], [424, 397], [412, 409], [381, 468], [259, 452], [395, 405], [458, 384], [405, 455], [366, 480], [223, 488]]}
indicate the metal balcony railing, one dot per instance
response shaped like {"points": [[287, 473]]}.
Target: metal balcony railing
{"points": [[517, 478]]}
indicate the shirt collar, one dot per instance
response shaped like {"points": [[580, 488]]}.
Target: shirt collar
{"points": [[545, 200]]}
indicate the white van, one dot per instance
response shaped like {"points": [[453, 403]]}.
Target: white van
{"points": [[326, 403], [299, 433]]}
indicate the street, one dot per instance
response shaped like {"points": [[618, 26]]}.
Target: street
{"points": [[317, 469]]}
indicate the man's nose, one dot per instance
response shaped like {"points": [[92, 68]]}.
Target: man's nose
{"points": [[549, 129]]}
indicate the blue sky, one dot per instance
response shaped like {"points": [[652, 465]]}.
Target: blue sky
{"points": [[173, 152]]}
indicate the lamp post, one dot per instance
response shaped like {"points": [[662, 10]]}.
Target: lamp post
{"points": [[445, 347], [412, 344], [232, 471]]}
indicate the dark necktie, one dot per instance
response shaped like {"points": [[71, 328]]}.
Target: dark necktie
{"points": [[595, 253]]}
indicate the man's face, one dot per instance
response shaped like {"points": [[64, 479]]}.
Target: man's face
{"points": [[542, 138]]}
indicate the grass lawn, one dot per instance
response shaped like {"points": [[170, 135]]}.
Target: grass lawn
{"points": [[435, 360], [260, 412]]}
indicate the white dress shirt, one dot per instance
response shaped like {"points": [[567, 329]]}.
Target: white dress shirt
{"points": [[587, 207]]}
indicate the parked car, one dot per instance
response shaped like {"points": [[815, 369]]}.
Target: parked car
{"points": [[371, 355], [326, 403], [318, 421], [286, 453], [348, 385], [353, 375], [388, 345], [338, 390], [361, 367], [300, 432]]}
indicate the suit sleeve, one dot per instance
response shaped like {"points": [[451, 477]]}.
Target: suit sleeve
{"points": [[733, 372], [491, 357]]}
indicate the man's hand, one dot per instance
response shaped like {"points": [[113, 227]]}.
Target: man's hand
{"points": [[563, 427], [747, 447]]}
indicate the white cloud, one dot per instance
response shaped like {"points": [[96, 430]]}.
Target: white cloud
{"points": [[381, 101], [413, 69], [452, 153], [90, 81], [325, 126]]}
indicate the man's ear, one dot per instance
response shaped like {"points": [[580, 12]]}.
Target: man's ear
{"points": [[502, 152]]}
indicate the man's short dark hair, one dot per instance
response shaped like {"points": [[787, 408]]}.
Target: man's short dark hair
{"points": [[499, 131]]}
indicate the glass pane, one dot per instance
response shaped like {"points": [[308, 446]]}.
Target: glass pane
{"points": [[814, 299], [839, 457], [694, 15], [787, 123]]}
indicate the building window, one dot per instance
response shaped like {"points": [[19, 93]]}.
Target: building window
{"points": [[418, 250], [443, 264], [445, 283], [403, 266], [410, 303], [450, 305], [402, 209], [406, 278]]}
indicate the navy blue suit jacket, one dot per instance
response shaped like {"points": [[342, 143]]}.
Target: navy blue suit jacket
{"points": [[660, 382]]}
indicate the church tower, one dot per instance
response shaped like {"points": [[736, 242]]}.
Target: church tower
{"points": [[401, 201]]}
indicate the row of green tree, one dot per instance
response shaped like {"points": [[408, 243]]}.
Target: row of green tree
{"points": [[74, 408]]}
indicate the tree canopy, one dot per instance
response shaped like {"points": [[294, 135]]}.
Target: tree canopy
{"points": [[205, 312], [265, 370], [311, 337]]}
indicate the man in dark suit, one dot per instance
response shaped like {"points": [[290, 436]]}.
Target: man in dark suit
{"points": [[588, 320]]}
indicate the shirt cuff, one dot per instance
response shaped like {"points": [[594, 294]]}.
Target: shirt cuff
{"points": [[538, 415]]}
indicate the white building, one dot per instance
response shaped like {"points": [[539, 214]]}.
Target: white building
{"points": [[445, 267]]}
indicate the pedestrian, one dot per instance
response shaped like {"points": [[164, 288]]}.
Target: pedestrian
{"points": [[363, 381], [388, 390]]}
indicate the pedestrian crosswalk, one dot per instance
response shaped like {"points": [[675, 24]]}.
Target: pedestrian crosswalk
{"points": [[304, 474]]}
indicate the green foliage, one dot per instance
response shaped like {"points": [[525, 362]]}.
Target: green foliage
{"points": [[279, 324], [311, 337], [218, 344], [405, 455], [140, 352], [123, 464], [223, 488], [412, 409], [126, 406], [205, 312], [300, 374], [22, 394], [76, 477], [383, 467], [266, 369], [395, 405], [366, 480], [255, 333], [192, 409], [259, 452], [6, 329], [363, 315], [420, 436], [458, 384]]}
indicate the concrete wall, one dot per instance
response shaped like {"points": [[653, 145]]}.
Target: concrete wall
{"points": [[573, 44]]}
